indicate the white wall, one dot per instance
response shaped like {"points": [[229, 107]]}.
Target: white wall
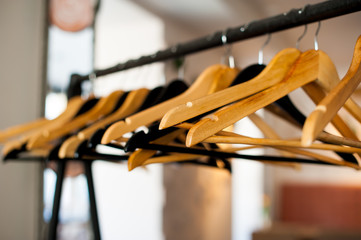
{"points": [[21, 30]]}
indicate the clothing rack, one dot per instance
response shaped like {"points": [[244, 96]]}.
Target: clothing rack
{"points": [[293, 18]]}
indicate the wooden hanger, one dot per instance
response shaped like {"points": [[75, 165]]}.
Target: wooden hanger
{"points": [[75, 105], [19, 129], [72, 108], [336, 98], [307, 68], [213, 79], [104, 106], [131, 104], [274, 72]]}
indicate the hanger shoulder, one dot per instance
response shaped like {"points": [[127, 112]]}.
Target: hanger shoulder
{"points": [[103, 107], [274, 72], [305, 70], [210, 80], [336, 98]]}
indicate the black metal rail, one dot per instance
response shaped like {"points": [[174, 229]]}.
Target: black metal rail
{"points": [[293, 18]]}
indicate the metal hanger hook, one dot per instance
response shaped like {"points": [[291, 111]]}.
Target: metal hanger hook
{"points": [[301, 37], [316, 35], [228, 51], [260, 53], [92, 78]]}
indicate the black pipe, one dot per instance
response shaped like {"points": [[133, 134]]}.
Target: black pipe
{"points": [[92, 201], [293, 18], [57, 198]]}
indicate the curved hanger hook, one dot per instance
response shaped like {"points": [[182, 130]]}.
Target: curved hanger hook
{"points": [[301, 37], [316, 35], [228, 50], [260, 53]]}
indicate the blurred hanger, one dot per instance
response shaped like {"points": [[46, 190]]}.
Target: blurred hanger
{"points": [[72, 108], [130, 104], [103, 107]]}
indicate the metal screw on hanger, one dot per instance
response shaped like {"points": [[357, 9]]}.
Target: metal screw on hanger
{"points": [[300, 38], [228, 53], [316, 35], [260, 53]]}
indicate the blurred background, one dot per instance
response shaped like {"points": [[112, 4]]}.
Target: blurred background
{"points": [[44, 42]]}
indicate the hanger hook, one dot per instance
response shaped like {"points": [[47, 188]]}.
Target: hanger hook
{"points": [[228, 50], [316, 35], [300, 38], [260, 53], [92, 78]]}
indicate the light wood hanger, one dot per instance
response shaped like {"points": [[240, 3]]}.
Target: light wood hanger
{"points": [[213, 79], [274, 72], [71, 110], [103, 107], [131, 104], [23, 128], [336, 98], [307, 68], [73, 106]]}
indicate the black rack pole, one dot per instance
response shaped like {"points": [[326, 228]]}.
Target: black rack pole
{"points": [[293, 18]]}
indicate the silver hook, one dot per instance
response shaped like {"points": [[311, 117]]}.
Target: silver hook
{"points": [[260, 53], [300, 38], [228, 51], [316, 35], [92, 78]]}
